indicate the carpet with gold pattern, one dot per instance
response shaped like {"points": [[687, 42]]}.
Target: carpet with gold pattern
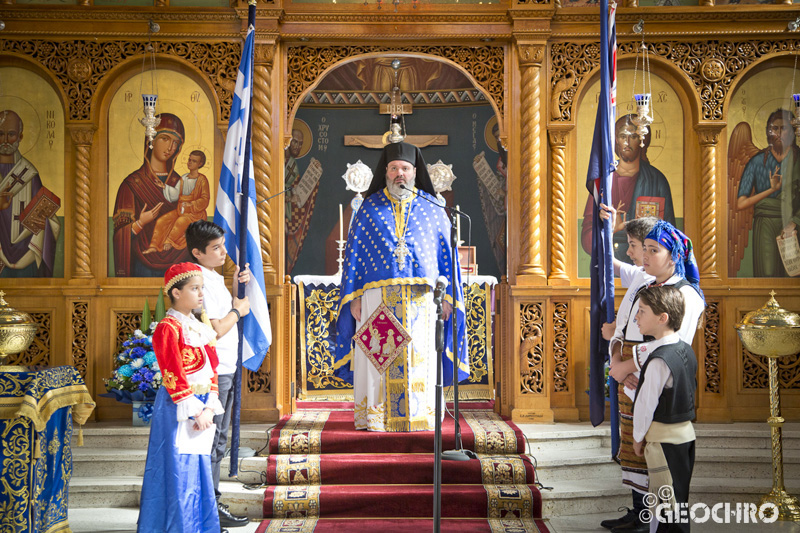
{"points": [[326, 476]]}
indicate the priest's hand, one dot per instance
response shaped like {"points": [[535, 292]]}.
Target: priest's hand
{"points": [[355, 309], [447, 310], [204, 420], [638, 448]]}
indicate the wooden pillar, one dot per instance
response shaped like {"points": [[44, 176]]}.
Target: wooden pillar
{"points": [[558, 207], [709, 137], [82, 135], [262, 142], [530, 61]]}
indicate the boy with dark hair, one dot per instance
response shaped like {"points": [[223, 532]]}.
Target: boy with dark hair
{"points": [[636, 231], [664, 405], [206, 242]]}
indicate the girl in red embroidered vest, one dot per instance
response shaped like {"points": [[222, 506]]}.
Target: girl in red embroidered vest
{"points": [[178, 490]]}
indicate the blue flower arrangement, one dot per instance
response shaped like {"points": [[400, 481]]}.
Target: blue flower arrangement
{"points": [[136, 375]]}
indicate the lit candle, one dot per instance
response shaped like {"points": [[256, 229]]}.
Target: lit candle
{"points": [[341, 223], [458, 227]]}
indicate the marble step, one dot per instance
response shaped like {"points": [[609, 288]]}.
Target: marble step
{"points": [[597, 495], [100, 462], [126, 437], [750, 435]]}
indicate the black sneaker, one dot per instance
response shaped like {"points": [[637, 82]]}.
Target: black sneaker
{"points": [[614, 522], [227, 519]]}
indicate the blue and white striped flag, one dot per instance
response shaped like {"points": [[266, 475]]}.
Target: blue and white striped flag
{"points": [[236, 199]]}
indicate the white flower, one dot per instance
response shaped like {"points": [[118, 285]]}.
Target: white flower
{"points": [[155, 366], [137, 363], [157, 376], [138, 334]]}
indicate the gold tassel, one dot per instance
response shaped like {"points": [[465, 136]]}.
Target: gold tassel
{"points": [[80, 434], [397, 387], [418, 386]]}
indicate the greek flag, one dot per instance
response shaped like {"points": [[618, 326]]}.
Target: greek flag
{"points": [[235, 212]]}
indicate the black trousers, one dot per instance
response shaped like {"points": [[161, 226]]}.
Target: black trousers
{"points": [[680, 460]]}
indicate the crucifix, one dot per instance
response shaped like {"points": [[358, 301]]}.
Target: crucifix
{"points": [[379, 141]]}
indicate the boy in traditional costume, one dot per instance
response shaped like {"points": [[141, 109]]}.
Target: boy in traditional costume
{"points": [[178, 491], [668, 260], [664, 406]]}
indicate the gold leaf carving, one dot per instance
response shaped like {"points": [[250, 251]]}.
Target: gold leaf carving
{"points": [[486, 64], [80, 336], [711, 361], [532, 325], [711, 65], [560, 344], [219, 61]]}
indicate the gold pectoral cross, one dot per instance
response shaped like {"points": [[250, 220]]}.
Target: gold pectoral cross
{"points": [[401, 252]]}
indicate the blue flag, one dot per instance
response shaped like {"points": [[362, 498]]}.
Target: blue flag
{"points": [[598, 181], [235, 212]]}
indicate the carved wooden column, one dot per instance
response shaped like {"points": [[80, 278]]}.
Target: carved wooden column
{"points": [[558, 207], [530, 61], [82, 135], [263, 149], [709, 137]]}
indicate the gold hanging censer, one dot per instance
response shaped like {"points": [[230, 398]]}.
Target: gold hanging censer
{"points": [[774, 332], [17, 330]]}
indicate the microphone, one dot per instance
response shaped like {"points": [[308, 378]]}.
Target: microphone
{"points": [[445, 207], [287, 189], [441, 285]]}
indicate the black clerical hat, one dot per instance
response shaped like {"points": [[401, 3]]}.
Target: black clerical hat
{"points": [[401, 152]]}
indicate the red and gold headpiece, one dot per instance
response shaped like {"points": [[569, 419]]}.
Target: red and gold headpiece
{"points": [[179, 272]]}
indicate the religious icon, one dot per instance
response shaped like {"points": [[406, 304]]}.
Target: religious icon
{"points": [[492, 187], [300, 200], [155, 193], [31, 178], [143, 199], [764, 193]]}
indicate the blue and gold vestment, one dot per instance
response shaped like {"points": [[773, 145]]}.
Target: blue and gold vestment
{"points": [[371, 261]]}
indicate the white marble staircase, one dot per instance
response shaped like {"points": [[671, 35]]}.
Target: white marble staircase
{"points": [[733, 465]]}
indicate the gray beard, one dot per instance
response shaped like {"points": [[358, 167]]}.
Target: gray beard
{"points": [[397, 192]]}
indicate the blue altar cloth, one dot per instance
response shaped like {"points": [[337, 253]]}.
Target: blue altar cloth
{"points": [[36, 414]]}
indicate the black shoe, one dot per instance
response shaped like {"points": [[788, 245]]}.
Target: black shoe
{"points": [[611, 523], [222, 530], [226, 519], [634, 526]]}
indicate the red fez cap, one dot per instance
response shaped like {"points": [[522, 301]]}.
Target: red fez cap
{"points": [[178, 272]]}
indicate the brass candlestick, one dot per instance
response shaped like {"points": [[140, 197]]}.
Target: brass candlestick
{"points": [[17, 331], [774, 332]]}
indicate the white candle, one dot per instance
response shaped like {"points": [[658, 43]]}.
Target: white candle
{"points": [[341, 223], [458, 227]]}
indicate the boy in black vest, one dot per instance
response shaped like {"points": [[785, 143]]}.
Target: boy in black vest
{"points": [[664, 405]]}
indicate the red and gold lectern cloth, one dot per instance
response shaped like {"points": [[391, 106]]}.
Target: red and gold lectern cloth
{"points": [[382, 338]]}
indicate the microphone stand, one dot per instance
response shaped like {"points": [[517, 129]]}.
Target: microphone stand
{"points": [[437, 441], [287, 189], [458, 454]]}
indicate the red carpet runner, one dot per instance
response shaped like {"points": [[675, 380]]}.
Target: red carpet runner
{"points": [[325, 476]]}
